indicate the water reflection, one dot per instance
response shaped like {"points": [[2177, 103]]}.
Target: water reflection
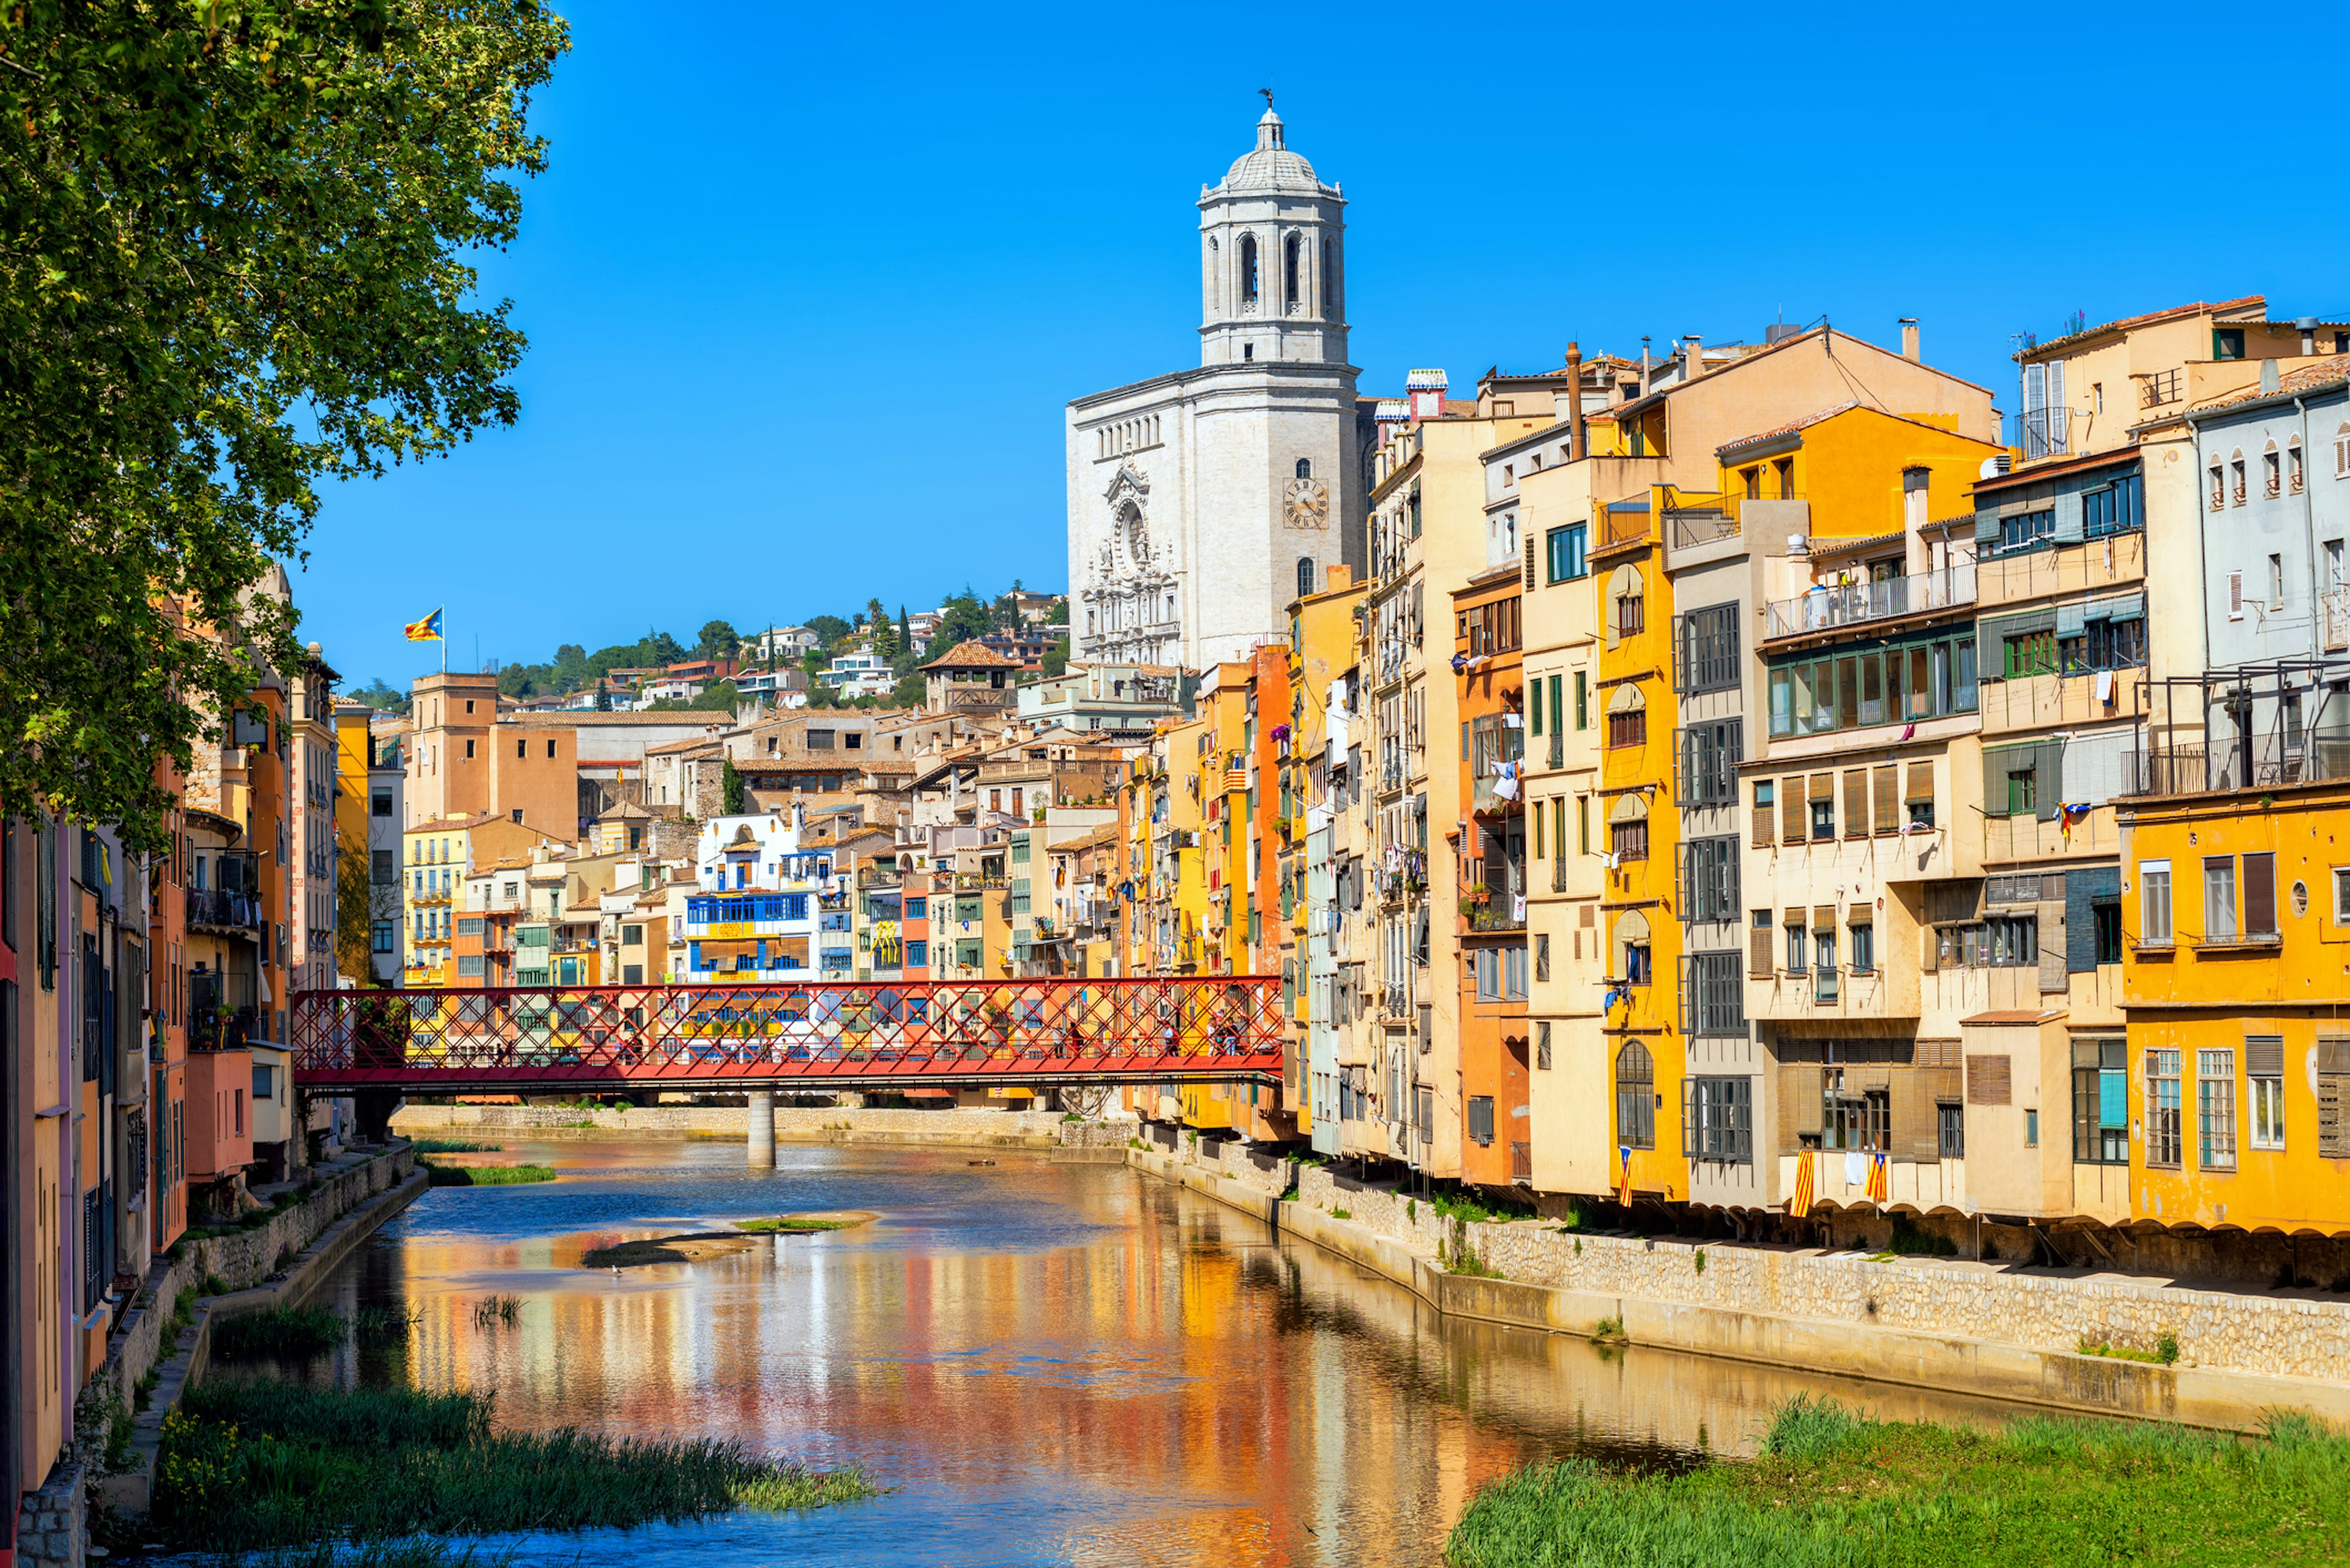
{"points": [[1048, 1363]]}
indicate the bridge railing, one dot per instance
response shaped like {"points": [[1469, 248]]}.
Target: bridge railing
{"points": [[1048, 1029]]}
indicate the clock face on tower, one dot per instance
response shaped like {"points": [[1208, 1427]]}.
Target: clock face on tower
{"points": [[1306, 504]]}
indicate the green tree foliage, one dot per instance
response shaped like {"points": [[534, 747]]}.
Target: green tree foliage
{"points": [[965, 618], [911, 691], [231, 273], [1059, 614], [603, 697], [829, 630], [718, 641], [877, 620], [730, 787], [382, 696], [1056, 658]]}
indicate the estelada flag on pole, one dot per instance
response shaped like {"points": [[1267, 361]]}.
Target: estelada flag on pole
{"points": [[426, 630]]}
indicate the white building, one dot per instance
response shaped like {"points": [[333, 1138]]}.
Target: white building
{"points": [[759, 901], [860, 675], [1201, 502]]}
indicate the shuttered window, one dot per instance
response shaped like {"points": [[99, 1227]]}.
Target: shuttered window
{"points": [[1856, 802], [1793, 810], [1988, 1080], [1883, 787], [2334, 1096], [1760, 940], [2258, 886], [1765, 814]]}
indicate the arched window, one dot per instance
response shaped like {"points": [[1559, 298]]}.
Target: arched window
{"points": [[2293, 477], [1333, 305], [1304, 468], [2219, 484], [1305, 575], [2272, 472], [1216, 275], [1627, 605], [1248, 271], [2342, 450], [2236, 474], [1292, 264], [1628, 821], [1636, 1096]]}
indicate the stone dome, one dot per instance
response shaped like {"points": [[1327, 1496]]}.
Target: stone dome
{"points": [[1270, 165]]}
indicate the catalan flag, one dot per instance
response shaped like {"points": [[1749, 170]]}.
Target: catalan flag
{"points": [[1878, 1180], [1800, 1206], [425, 631]]}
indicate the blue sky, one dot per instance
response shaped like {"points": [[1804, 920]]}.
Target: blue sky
{"points": [[807, 287]]}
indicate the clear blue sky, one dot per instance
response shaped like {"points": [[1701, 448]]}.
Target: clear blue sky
{"points": [[807, 287]]}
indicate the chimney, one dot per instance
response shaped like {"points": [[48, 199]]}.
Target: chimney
{"points": [[1693, 358], [1574, 389], [2308, 325], [1648, 365], [1910, 338], [2268, 382]]}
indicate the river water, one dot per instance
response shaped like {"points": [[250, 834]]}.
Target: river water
{"points": [[1045, 1362]]}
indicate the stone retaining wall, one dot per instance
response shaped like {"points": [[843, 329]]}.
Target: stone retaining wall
{"points": [[2291, 1333], [51, 1522], [727, 1122]]}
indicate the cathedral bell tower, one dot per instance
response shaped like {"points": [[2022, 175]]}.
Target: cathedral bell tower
{"points": [[1271, 260]]}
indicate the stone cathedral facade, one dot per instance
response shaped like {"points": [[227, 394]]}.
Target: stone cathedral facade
{"points": [[1201, 502]]}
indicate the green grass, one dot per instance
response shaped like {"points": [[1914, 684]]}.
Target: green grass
{"points": [[790, 1226], [1835, 1490], [274, 1465], [487, 1174], [280, 1331], [2165, 1351], [376, 1326], [1342, 1214], [452, 1146]]}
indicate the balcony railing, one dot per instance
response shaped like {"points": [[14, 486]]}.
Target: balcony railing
{"points": [[224, 1028], [222, 908], [1826, 607], [1702, 523], [1624, 527], [1500, 915], [967, 882], [2199, 769]]}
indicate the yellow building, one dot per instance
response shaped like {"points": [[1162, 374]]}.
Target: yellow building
{"points": [[1323, 769], [435, 856], [2233, 1090]]}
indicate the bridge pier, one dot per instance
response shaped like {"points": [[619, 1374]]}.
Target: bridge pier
{"points": [[761, 1112]]}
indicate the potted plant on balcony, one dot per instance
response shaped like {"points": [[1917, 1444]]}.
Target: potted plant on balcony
{"points": [[1475, 901]]}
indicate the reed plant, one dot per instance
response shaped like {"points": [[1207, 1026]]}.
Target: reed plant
{"points": [[274, 1465], [486, 1175], [1833, 1488], [280, 1331]]}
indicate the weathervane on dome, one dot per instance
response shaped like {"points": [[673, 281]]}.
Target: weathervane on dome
{"points": [[1268, 98]]}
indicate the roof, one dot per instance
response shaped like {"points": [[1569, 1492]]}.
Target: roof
{"points": [[1820, 546], [691, 744], [2016, 1015], [2044, 471], [972, 655], [1783, 431], [1758, 356], [2330, 371], [2251, 302]]}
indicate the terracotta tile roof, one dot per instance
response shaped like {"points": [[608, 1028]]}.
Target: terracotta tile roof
{"points": [[2016, 1015], [2251, 302], [2330, 371], [1783, 431], [972, 655]]}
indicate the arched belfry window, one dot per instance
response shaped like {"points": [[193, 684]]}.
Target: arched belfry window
{"points": [[1216, 275], [1332, 302], [1304, 468], [1292, 264], [1305, 575], [1248, 269]]}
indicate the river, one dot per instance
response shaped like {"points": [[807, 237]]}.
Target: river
{"points": [[1045, 1362]]}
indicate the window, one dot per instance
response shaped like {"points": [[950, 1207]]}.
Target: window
{"points": [[1480, 1119], [1248, 273], [1713, 996], [2215, 1109], [2012, 941], [383, 869], [1717, 1120], [1709, 756], [379, 803], [1305, 575], [1798, 944], [967, 954], [1635, 1098], [1764, 816], [1629, 725], [1564, 551], [1819, 694], [2031, 653], [1705, 649], [2100, 1102], [2259, 889], [2106, 917], [1581, 699], [2162, 1108], [2021, 530], [1629, 839], [1864, 949], [383, 937], [1823, 803], [1824, 965], [2226, 342], [918, 908], [1854, 1121], [2023, 791], [2219, 898], [2154, 901], [1950, 1132], [2117, 508], [2236, 476], [2264, 1088], [1709, 879]]}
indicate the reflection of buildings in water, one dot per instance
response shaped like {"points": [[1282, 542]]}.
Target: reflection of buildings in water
{"points": [[1135, 1341]]}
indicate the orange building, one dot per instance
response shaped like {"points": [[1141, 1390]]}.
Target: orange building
{"points": [[1489, 848]]}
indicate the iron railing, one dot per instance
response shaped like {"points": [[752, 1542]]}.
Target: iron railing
{"points": [[1852, 604], [1035, 1031]]}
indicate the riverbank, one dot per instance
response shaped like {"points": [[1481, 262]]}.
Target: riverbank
{"points": [[956, 1127], [1999, 1331], [1832, 1490]]}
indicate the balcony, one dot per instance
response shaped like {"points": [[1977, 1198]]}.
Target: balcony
{"points": [[1500, 915], [1826, 607], [1617, 529], [1697, 519], [224, 910], [2041, 433], [968, 882], [2199, 769], [224, 1028]]}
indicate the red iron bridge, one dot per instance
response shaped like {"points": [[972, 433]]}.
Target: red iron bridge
{"points": [[889, 1035]]}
